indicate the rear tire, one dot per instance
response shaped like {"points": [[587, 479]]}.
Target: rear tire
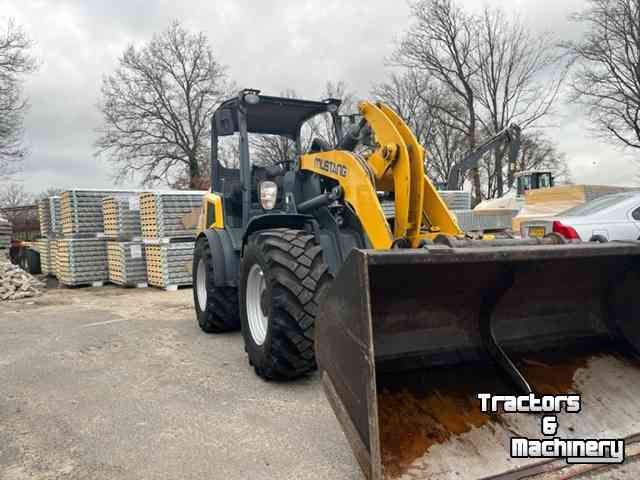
{"points": [[216, 307], [282, 277]]}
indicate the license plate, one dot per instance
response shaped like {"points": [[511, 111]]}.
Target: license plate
{"points": [[536, 231]]}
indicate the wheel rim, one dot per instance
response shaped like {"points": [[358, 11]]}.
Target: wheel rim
{"points": [[201, 284], [258, 321]]}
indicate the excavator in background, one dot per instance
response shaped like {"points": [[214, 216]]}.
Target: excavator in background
{"points": [[406, 318], [509, 137]]}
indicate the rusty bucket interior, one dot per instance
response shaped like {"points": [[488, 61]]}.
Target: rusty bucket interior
{"points": [[405, 339]]}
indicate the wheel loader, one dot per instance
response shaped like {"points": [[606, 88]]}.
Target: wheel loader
{"points": [[406, 318]]}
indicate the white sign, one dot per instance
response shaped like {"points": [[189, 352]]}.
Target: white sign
{"points": [[134, 203], [136, 251]]}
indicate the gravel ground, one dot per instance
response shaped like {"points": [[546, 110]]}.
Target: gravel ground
{"points": [[118, 384]]}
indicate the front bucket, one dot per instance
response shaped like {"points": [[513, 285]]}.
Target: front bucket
{"points": [[405, 339]]}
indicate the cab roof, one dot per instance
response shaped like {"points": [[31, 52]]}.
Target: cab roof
{"points": [[272, 115]]}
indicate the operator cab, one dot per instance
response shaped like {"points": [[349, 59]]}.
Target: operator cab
{"points": [[533, 180], [269, 133]]}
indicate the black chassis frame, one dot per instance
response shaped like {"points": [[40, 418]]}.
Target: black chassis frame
{"points": [[277, 116]]}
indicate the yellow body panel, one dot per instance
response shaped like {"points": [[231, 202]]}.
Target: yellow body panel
{"points": [[390, 158], [416, 162], [358, 192], [214, 201], [396, 165]]}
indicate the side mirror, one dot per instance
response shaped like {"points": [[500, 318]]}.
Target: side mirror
{"points": [[224, 123]]}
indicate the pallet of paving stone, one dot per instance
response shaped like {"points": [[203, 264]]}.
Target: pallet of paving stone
{"points": [[6, 232], [170, 214], [121, 217], [169, 264], [50, 216], [81, 261], [127, 264], [82, 211], [46, 259], [53, 253]]}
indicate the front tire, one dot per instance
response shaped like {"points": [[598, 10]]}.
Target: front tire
{"points": [[216, 307], [282, 278]]}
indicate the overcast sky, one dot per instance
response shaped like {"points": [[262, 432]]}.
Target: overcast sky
{"points": [[270, 45]]}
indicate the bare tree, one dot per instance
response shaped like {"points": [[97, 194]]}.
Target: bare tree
{"points": [[518, 77], [537, 152], [488, 71], [411, 95], [322, 125], [157, 106], [14, 195], [441, 44], [15, 61], [50, 192], [421, 104], [607, 80]]}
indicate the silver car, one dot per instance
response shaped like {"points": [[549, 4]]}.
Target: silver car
{"points": [[611, 217]]}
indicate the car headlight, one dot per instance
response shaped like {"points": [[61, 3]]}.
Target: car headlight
{"points": [[268, 194]]}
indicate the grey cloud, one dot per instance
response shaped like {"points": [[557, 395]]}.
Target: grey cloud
{"points": [[272, 45]]}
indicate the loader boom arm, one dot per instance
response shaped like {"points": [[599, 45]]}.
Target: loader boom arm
{"points": [[395, 164]]}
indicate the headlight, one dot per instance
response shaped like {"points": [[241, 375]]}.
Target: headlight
{"points": [[268, 194], [252, 98]]}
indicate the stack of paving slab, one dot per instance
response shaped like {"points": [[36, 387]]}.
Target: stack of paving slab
{"points": [[46, 258], [81, 261], [127, 263], [81, 258], [169, 222], [6, 232], [125, 250], [50, 217], [172, 214], [121, 217]]}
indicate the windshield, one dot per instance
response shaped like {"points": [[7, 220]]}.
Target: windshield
{"points": [[598, 204]]}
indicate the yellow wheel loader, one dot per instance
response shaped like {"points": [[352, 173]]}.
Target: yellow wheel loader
{"points": [[406, 318]]}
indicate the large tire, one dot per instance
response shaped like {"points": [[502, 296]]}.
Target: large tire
{"points": [[216, 307], [294, 277]]}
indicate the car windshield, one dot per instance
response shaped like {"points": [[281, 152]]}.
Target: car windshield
{"points": [[598, 204]]}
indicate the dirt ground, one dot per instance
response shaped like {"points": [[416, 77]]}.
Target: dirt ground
{"points": [[111, 383]]}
